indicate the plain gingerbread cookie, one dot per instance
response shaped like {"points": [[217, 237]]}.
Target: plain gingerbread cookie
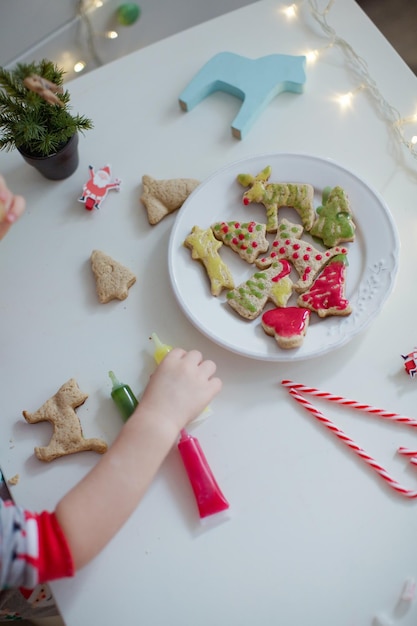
{"points": [[67, 437], [161, 197], [113, 280]]}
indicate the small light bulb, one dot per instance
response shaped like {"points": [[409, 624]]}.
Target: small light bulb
{"points": [[112, 34], [414, 139], [290, 11], [312, 56], [345, 100], [79, 66]]}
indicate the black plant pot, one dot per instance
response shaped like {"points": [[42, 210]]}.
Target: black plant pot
{"points": [[59, 165]]}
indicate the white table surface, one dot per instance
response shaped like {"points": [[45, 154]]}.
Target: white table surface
{"points": [[313, 536]]}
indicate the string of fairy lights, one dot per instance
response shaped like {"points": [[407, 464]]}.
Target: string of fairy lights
{"points": [[126, 14], [359, 67], [396, 123]]}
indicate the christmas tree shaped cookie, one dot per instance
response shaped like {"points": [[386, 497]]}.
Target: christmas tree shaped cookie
{"points": [[204, 247], [113, 280], [327, 294], [246, 238], [334, 223], [286, 231], [274, 283]]}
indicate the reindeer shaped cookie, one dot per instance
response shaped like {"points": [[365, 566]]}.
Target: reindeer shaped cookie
{"points": [[67, 437], [275, 195]]}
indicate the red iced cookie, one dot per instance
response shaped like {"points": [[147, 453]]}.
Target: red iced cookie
{"points": [[327, 294], [288, 325]]}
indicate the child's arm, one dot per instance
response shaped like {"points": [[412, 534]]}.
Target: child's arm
{"points": [[96, 508], [11, 208]]}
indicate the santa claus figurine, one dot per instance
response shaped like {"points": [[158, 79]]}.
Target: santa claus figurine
{"points": [[97, 187]]}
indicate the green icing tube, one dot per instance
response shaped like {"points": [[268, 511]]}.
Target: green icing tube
{"points": [[123, 397]]}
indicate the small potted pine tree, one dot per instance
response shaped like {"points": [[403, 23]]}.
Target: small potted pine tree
{"points": [[35, 118]]}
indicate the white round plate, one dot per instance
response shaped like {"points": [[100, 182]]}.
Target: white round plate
{"points": [[370, 276]]}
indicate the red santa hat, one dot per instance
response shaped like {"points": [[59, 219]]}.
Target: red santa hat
{"points": [[106, 169]]}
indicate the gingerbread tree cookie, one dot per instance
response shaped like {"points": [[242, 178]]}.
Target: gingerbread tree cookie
{"points": [[161, 197], [67, 437], [113, 280], [327, 294], [204, 247], [246, 238], [334, 223], [249, 298]]}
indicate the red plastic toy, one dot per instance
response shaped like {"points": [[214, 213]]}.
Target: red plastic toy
{"points": [[410, 362]]}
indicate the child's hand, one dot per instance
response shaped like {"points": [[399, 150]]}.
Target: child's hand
{"points": [[11, 208], [180, 388]]}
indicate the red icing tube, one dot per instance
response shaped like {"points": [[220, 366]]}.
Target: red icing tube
{"points": [[208, 495]]}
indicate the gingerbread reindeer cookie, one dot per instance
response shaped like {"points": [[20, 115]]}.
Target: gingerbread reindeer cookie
{"points": [[273, 196], [67, 437]]}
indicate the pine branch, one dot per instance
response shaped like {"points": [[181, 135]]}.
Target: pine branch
{"points": [[27, 120]]}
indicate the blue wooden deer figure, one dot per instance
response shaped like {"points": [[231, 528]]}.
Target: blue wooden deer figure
{"points": [[255, 81]]}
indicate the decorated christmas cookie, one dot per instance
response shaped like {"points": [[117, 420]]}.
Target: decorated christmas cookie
{"points": [[334, 223], [287, 229], [327, 295], [204, 247], [249, 298], [288, 325], [307, 260], [276, 195], [246, 238]]}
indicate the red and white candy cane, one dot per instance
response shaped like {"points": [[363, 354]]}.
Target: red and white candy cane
{"points": [[412, 454], [354, 446], [367, 408]]}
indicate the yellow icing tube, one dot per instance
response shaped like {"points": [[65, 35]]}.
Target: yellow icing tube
{"points": [[160, 351]]}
